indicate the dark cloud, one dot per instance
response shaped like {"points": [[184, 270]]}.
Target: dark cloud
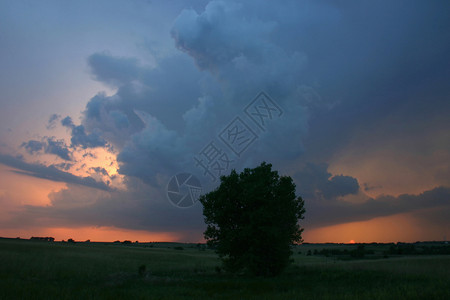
{"points": [[33, 146], [49, 172], [52, 121], [57, 147], [64, 166], [337, 211], [310, 57], [120, 119], [67, 122], [164, 91], [314, 181], [393, 65], [368, 187], [100, 170], [340, 185], [160, 118], [89, 154], [114, 71], [206, 36], [82, 139], [94, 107], [49, 145]]}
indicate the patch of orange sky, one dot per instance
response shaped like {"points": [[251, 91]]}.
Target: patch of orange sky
{"points": [[390, 171], [99, 234], [26, 190], [17, 190], [98, 157], [20, 189], [396, 228]]}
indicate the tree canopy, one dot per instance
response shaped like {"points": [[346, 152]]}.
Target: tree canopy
{"points": [[252, 220]]}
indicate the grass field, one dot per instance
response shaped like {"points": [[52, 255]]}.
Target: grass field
{"points": [[46, 270]]}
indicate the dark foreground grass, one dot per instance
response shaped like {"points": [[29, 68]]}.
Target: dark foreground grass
{"points": [[39, 270]]}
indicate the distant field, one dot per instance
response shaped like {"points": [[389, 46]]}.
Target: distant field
{"points": [[46, 270]]}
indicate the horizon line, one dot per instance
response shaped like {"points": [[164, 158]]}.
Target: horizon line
{"points": [[178, 242]]}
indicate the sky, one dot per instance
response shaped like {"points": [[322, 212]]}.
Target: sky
{"points": [[115, 115]]}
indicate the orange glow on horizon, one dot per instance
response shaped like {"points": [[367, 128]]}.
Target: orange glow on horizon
{"points": [[352, 242], [396, 228], [94, 234], [17, 190]]}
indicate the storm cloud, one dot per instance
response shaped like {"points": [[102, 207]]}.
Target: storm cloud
{"points": [[337, 211], [81, 138], [49, 145], [315, 182]]}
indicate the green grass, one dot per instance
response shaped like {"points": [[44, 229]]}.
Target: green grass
{"points": [[40, 270]]}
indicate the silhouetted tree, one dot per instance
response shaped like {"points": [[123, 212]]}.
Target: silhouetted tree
{"points": [[252, 220]]}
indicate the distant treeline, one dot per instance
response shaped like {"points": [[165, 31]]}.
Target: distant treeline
{"points": [[359, 252], [394, 249], [46, 239], [412, 249]]}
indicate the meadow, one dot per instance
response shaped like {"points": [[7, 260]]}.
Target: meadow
{"points": [[55, 270]]}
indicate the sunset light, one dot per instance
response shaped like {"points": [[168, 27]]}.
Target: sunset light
{"points": [[224, 149], [116, 117]]}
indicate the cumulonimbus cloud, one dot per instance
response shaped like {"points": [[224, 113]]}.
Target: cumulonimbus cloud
{"points": [[329, 75]]}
